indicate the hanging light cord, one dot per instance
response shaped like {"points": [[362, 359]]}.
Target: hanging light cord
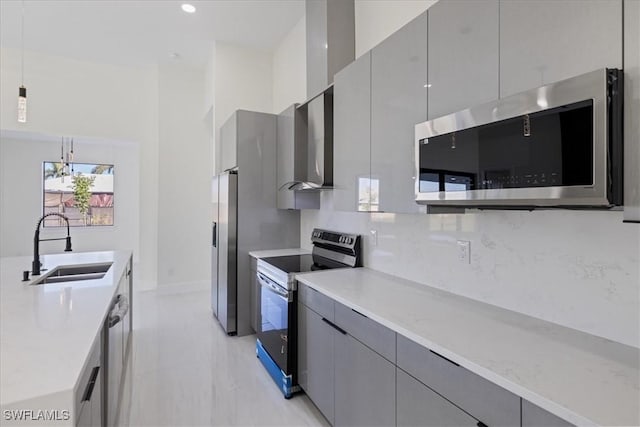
{"points": [[22, 37]]}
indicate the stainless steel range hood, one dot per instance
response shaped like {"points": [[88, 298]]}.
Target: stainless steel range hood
{"points": [[314, 169], [330, 26]]}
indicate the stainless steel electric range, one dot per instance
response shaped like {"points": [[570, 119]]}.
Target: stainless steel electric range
{"points": [[276, 346]]}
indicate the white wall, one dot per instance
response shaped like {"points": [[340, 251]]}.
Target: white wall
{"points": [[378, 19], [184, 206], [21, 157], [290, 69], [375, 20], [96, 102], [243, 80]]}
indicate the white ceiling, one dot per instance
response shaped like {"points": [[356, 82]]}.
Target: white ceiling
{"points": [[145, 31]]}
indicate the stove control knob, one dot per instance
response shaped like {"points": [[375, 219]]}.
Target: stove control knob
{"points": [[341, 240], [350, 240]]}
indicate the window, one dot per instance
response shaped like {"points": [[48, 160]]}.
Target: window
{"points": [[368, 194], [82, 192]]}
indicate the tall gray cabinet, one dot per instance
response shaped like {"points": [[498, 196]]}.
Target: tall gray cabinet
{"points": [[398, 102], [463, 55], [544, 41], [352, 136]]}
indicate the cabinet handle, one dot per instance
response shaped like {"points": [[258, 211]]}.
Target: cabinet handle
{"points": [[481, 424], [334, 326], [357, 312], [92, 382], [448, 360]]}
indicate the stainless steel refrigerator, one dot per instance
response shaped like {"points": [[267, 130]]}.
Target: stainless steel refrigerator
{"points": [[224, 254], [245, 215]]}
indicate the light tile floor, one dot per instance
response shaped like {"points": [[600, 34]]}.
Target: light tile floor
{"points": [[185, 371]]}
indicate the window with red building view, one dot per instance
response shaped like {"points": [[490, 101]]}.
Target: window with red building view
{"points": [[82, 192]]}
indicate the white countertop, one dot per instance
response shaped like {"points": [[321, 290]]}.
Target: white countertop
{"points": [[48, 330], [581, 378], [279, 252]]}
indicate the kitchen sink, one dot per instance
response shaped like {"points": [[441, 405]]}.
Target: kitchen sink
{"points": [[74, 273]]}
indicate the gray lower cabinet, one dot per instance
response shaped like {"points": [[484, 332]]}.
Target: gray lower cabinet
{"points": [[418, 405], [484, 400], [544, 41], [463, 54], [534, 416], [364, 385], [88, 395], [349, 369], [351, 384], [316, 360], [632, 110], [398, 102], [352, 136]]}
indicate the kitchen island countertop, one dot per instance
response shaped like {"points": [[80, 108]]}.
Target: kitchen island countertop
{"points": [[48, 330]]}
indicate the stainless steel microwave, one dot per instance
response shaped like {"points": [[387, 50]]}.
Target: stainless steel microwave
{"points": [[559, 145]]}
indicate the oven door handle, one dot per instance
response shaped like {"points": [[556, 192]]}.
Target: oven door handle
{"points": [[265, 282]]}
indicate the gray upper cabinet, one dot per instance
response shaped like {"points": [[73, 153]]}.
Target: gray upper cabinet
{"points": [[352, 135], [534, 416], [398, 103], [632, 110], [545, 41], [463, 55]]}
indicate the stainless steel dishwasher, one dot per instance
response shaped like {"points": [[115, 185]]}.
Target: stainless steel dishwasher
{"points": [[115, 353]]}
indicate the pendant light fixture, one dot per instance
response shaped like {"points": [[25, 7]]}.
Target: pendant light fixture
{"points": [[22, 91], [66, 157]]}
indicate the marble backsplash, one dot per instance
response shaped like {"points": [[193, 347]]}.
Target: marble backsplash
{"points": [[580, 269]]}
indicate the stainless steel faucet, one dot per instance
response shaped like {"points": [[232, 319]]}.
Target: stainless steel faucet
{"points": [[36, 264]]}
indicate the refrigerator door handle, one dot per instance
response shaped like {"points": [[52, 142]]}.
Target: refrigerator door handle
{"points": [[214, 234]]}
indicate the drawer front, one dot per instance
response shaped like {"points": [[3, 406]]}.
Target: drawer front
{"points": [[535, 416], [321, 304], [484, 400], [418, 405], [93, 362], [374, 335]]}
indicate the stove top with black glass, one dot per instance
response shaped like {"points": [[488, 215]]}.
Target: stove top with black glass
{"points": [[330, 250]]}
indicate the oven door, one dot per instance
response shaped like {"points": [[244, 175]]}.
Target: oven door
{"points": [[276, 326]]}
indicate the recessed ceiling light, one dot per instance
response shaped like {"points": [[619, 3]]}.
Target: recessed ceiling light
{"points": [[189, 8]]}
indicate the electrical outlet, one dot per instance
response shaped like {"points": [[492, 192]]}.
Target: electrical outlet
{"points": [[464, 251], [374, 237]]}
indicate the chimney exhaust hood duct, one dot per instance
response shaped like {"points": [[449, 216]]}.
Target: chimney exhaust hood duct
{"points": [[331, 41], [313, 169], [330, 26]]}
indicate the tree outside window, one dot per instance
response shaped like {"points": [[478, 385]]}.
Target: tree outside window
{"points": [[83, 193]]}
